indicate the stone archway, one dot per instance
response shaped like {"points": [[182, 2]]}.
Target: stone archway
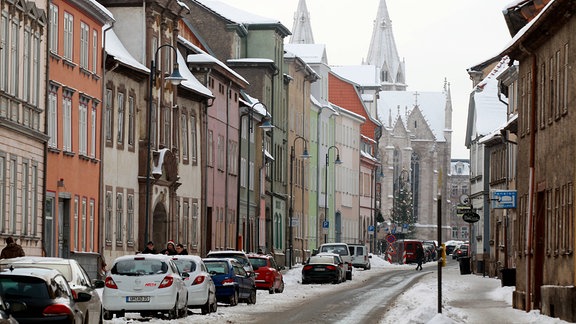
{"points": [[159, 226]]}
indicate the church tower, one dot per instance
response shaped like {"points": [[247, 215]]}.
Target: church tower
{"points": [[383, 53], [301, 29]]}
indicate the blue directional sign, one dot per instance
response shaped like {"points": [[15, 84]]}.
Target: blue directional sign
{"points": [[370, 228], [325, 224], [503, 198]]}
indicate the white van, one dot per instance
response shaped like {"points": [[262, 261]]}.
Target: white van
{"points": [[344, 252], [360, 256]]}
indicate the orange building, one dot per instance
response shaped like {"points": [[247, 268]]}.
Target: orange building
{"points": [[73, 113]]}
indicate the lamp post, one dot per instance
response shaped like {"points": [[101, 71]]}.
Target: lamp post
{"points": [[304, 155], [337, 161], [175, 78], [265, 126]]}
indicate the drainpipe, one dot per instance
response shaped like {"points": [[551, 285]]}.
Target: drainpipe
{"points": [[204, 165]]}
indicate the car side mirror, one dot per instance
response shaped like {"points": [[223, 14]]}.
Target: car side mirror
{"points": [[82, 297]]}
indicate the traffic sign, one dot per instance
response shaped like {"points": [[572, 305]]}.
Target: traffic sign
{"points": [[370, 228], [325, 224], [390, 238], [503, 199], [391, 249]]}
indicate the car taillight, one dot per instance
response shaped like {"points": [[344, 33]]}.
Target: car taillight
{"points": [[109, 283], [331, 267], [166, 282], [308, 267], [57, 310], [228, 282], [199, 280]]}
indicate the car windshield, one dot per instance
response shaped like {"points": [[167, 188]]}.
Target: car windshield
{"points": [[217, 267], [139, 267], [23, 287], [258, 262], [335, 249], [185, 265]]}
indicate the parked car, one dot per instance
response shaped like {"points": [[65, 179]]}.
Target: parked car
{"points": [[76, 276], [324, 267], [201, 288], [360, 256], [40, 295], [268, 273], [149, 284], [429, 251], [240, 256], [233, 283], [461, 251], [451, 246], [342, 250]]}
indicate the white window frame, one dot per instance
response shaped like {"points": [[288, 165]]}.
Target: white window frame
{"points": [[68, 36], [53, 117], [84, 45], [94, 51], [120, 122], [67, 123], [93, 132], [53, 41], [83, 127]]}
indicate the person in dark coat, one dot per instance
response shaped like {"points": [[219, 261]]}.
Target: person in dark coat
{"points": [[11, 250], [180, 250], [170, 249], [419, 256], [150, 248]]}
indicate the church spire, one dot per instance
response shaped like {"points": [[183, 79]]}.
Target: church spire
{"points": [[301, 29], [383, 53]]}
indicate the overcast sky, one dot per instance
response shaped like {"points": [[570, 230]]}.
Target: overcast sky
{"points": [[437, 39]]}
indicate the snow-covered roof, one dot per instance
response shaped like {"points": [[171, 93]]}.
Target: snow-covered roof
{"points": [[309, 53], [236, 15], [204, 57], [490, 112], [255, 104], [364, 75], [524, 29], [250, 60], [191, 82], [368, 156], [102, 9], [115, 48], [394, 104], [459, 168]]}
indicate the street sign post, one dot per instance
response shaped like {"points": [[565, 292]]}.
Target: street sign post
{"points": [[325, 226]]}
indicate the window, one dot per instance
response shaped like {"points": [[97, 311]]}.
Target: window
{"points": [[120, 103], [68, 35], [130, 218], [194, 225], [94, 51], [27, 63], [67, 121], [193, 138], [84, 225], [108, 219], [83, 126], [53, 41], [210, 155], [34, 198], [119, 217], [35, 92], [221, 153], [184, 130], [25, 196], [2, 192], [93, 132], [454, 232], [92, 213], [108, 116], [84, 45], [131, 120], [52, 117], [4, 49], [167, 126], [14, 57], [76, 225], [13, 194], [464, 232], [185, 221]]}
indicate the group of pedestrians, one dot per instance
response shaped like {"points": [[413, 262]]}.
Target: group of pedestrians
{"points": [[171, 249]]}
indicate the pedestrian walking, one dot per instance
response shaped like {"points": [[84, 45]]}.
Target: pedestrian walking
{"points": [[11, 250], [170, 249], [150, 248], [180, 250], [419, 256]]}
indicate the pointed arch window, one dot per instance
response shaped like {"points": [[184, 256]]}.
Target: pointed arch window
{"points": [[415, 178]]}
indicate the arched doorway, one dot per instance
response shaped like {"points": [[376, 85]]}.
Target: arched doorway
{"points": [[159, 226]]}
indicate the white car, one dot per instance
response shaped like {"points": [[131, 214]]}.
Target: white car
{"points": [[344, 252], [147, 284], [201, 289]]}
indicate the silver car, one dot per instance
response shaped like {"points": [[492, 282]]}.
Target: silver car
{"points": [[201, 289], [76, 276], [149, 284]]}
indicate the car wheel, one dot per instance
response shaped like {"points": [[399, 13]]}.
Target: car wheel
{"points": [[107, 315], [184, 310], [214, 307], [234, 298], [173, 313], [271, 290], [205, 309], [349, 275], [252, 299], [281, 287]]}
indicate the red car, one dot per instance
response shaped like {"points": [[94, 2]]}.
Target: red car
{"points": [[268, 275]]}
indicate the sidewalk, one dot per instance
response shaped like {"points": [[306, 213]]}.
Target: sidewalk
{"points": [[467, 298]]}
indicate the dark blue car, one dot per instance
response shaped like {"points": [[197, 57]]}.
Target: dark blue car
{"points": [[233, 283]]}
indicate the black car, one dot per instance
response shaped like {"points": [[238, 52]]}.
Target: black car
{"points": [[38, 295], [324, 267]]}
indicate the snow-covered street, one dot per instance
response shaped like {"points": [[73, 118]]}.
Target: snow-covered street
{"points": [[465, 299]]}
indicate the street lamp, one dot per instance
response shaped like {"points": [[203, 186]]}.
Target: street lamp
{"points": [[265, 126], [304, 155], [337, 161], [175, 78]]}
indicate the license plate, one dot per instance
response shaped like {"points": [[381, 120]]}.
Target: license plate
{"points": [[137, 299], [319, 269]]}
